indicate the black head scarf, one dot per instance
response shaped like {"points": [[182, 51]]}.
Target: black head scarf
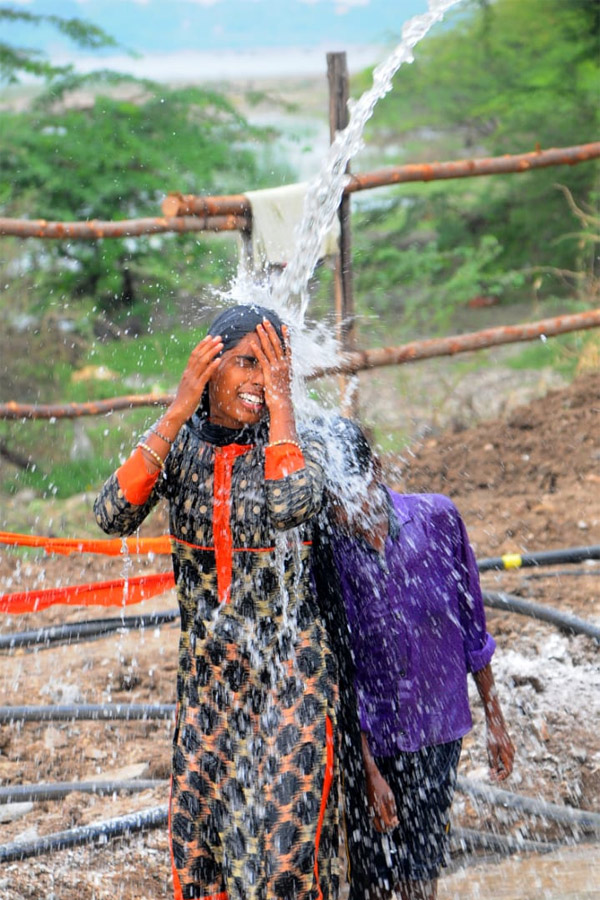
{"points": [[232, 325], [235, 323]]}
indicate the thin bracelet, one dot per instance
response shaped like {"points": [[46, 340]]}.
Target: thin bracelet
{"points": [[153, 454], [163, 437], [285, 441]]}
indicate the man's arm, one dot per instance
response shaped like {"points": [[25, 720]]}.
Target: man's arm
{"points": [[500, 748]]}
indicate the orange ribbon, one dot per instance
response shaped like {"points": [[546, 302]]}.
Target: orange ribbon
{"points": [[113, 547], [121, 592]]}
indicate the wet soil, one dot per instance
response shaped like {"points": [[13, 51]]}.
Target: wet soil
{"points": [[529, 480]]}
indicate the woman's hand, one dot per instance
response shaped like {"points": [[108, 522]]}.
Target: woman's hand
{"points": [[202, 364], [275, 360]]}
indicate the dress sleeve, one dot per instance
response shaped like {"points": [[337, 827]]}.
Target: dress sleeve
{"points": [[478, 643], [128, 496], [294, 480]]}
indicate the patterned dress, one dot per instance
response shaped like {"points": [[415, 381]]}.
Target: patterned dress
{"points": [[253, 811]]}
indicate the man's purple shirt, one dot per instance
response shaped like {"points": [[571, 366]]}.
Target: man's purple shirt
{"points": [[417, 625]]}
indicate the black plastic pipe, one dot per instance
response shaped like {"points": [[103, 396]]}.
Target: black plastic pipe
{"points": [[87, 711], [565, 815], [145, 820], [76, 631], [471, 839], [24, 793], [541, 558], [561, 573], [564, 621]]}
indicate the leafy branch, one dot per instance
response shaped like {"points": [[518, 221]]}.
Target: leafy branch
{"points": [[17, 61]]}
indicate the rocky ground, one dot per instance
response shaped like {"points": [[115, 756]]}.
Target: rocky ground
{"points": [[528, 480]]}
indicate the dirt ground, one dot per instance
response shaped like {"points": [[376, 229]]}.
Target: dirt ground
{"points": [[529, 481]]}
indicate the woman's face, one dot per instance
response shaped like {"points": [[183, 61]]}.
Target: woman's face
{"points": [[236, 390]]}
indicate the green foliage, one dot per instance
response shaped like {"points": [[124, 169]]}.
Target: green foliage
{"points": [[116, 159], [501, 77], [408, 270], [563, 354], [18, 61]]}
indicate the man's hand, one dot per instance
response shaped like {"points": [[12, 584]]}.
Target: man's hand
{"points": [[500, 749], [381, 800]]}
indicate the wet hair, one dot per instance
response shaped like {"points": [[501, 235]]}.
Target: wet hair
{"points": [[235, 323], [232, 325], [354, 448]]}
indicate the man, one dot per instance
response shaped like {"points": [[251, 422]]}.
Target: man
{"points": [[416, 622]]}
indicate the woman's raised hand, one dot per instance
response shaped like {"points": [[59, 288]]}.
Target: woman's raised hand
{"points": [[202, 364], [275, 360]]}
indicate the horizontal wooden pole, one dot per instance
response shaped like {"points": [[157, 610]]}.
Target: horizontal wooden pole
{"points": [[191, 204], [189, 212], [176, 204], [461, 343], [350, 363], [14, 410], [468, 168], [96, 229]]}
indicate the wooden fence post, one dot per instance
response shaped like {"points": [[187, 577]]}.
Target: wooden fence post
{"points": [[337, 75]]}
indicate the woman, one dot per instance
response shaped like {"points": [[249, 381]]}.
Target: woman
{"points": [[253, 806]]}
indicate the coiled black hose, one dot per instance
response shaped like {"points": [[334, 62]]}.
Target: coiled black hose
{"points": [[565, 815], [540, 558], [87, 711], [26, 793], [156, 817], [76, 631], [564, 621], [465, 839]]}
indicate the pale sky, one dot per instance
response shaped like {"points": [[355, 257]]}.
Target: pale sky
{"points": [[218, 38]]}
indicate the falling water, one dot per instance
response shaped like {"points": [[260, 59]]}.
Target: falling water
{"points": [[316, 346], [325, 191]]}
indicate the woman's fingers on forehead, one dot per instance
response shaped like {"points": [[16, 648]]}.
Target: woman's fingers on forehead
{"points": [[209, 344], [270, 332], [257, 348], [266, 341]]}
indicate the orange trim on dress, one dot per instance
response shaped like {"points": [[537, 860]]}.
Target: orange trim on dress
{"points": [[135, 480], [224, 460], [135, 546], [282, 460], [177, 540], [327, 782]]}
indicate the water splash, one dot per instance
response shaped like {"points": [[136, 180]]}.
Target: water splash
{"points": [[287, 293]]}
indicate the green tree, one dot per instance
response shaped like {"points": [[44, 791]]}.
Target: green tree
{"points": [[115, 159], [500, 77], [18, 61]]}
